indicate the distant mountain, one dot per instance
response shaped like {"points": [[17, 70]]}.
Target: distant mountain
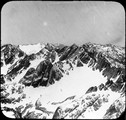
{"points": [[93, 74]]}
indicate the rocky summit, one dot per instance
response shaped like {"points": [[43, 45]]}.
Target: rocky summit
{"points": [[55, 81]]}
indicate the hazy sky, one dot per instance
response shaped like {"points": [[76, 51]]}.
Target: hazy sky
{"points": [[29, 22]]}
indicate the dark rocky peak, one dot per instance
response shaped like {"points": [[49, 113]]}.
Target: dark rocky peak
{"points": [[45, 74], [50, 46], [59, 46], [91, 89], [42, 52], [74, 45], [68, 52], [18, 67], [6, 46], [42, 66], [60, 50], [88, 45], [9, 48], [101, 86], [79, 63], [32, 56], [9, 52]]}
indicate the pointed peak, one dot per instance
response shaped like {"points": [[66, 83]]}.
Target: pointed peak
{"points": [[74, 45]]}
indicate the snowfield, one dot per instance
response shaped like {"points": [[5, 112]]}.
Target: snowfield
{"points": [[29, 49], [76, 83]]}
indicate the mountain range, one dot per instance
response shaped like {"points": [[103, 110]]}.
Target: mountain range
{"points": [[55, 81]]}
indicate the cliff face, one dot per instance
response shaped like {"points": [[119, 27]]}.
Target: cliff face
{"points": [[50, 65]]}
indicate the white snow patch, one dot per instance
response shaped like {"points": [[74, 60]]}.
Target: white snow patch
{"points": [[56, 59], [4, 69], [35, 63], [8, 114], [29, 49]]}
